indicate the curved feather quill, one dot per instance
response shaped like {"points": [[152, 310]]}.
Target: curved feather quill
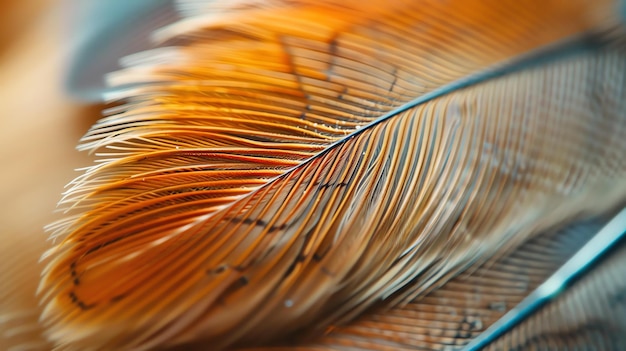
{"points": [[602, 245], [272, 172], [589, 315]]}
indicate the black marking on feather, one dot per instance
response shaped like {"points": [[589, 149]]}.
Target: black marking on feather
{"points": [[262, 223], [117, 298], [343, 92], [219, 269], [75, 278], [275, 228], [318, 256], [232, 287], [395, 79], [293, 70], [332, 49], [103, 245], [78, 302], [299, 259], [290, 269], [333, 185], [469, 324]]}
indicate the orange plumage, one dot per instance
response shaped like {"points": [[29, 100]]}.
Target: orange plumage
{"points": [[270, 173]]}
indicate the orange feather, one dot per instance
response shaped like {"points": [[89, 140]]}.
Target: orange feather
{"points": [[270, 172]]}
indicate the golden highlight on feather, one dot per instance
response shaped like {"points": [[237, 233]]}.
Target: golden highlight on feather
{"points": [[235, 202]]}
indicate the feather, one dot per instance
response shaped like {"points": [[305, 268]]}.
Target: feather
{"points": [[463, 307], [588, 315], [286, 165], [610, 236]]}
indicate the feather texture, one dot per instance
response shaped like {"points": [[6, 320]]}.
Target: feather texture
{"points": [[588, 316], [450, 316], [270, 173]]}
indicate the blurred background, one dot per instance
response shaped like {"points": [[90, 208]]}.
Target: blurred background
{"points": [[53, 57], [40, 125]]}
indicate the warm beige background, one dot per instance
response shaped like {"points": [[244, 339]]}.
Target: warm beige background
{"points": [[39, 128]]}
